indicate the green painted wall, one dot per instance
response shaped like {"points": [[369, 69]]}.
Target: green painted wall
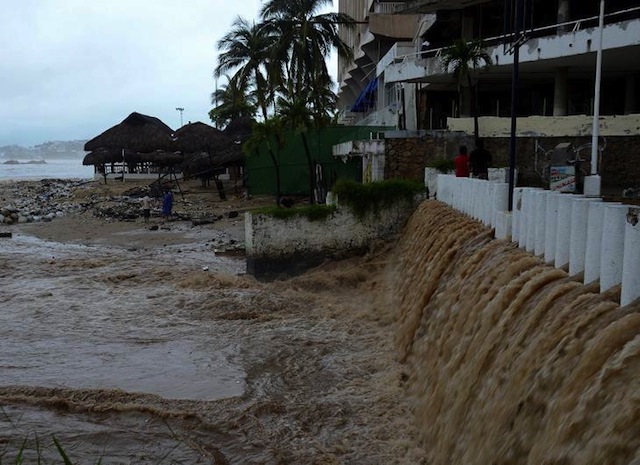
{"points": [[294, 171]]}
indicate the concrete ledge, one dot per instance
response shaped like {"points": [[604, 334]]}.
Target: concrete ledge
{"points": [[277, 247]]}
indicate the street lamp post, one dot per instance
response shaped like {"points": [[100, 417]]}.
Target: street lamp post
{"points": [[180, 109], [592, 183]]}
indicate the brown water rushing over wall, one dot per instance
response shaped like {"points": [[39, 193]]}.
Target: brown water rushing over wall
{"points": [[512, 361]]}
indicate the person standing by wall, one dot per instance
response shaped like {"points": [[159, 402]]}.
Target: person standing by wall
{"points": [[480, 160], [462, 163]]}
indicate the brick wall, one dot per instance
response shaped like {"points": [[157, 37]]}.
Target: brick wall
{"points": [[620, 164]]}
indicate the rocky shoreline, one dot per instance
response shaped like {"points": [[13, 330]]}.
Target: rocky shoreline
{"points": [[94, 213], [35, 201]]}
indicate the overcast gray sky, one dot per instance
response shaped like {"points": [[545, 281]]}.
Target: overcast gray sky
{"points": [[70, 69]]}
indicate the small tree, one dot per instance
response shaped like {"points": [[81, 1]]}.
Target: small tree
{"points": [[263, 133], [465, 57], [297, 116]]}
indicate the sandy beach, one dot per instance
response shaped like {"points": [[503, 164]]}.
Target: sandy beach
{"points": [[121, 344]]}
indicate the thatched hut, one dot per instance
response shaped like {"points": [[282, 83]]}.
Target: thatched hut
{"points": [[137, 132], [240, 128], [210, 152], [140, 145], [198, 137]]}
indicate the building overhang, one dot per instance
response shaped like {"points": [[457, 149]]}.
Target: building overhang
{"points": [[539, 57], [431, 6], [394, 26]]}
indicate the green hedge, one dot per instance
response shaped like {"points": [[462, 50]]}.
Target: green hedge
{"points": [[311, 212], [375, 196]]}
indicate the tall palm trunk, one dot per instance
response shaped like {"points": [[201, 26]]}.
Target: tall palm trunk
{"points": [[474, 109], [312, 178], [276, 168]]}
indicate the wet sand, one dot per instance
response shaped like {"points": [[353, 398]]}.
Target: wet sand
{"points": [[123, 346]]}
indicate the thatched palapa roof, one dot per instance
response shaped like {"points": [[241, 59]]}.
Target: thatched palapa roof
{"points": [[223, 151], [137, 132], [240, 128], [198, 137], [200, 148]]}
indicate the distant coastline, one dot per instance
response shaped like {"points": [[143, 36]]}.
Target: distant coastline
{"points": [[52, 150], [30, 162], [37, 169]]}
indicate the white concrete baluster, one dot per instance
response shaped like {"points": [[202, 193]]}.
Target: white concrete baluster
{"points": [[612, 252], [551, 226], [499, 201], [594, 241], [578, 246], [631, 260], [516, 214], [530, 209], [540, 218], [563, 232]]}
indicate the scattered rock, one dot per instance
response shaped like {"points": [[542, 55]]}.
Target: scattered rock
{"points": [[232, 214], [202, 221], [6, 235]]}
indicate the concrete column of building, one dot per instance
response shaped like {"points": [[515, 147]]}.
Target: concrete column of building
{"points": [[551, 226], [631, 261], [561, 92], [563, 231], [579, 228], [630, 95], [612, 250], [540, 217]]}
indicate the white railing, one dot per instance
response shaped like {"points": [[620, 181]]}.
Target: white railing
{"points": [[388, 7], [585, 234]]}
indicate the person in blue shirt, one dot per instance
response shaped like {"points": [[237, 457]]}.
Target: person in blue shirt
{"points": [[167, 203]]}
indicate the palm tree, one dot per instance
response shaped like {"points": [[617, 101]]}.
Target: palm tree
{"points": [[232, 101], [264, 133], [465, 57], [247, 50], [299, 118], [305, 40]]}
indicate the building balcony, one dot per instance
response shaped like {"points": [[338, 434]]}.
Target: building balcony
{"points": [[539, 55]]}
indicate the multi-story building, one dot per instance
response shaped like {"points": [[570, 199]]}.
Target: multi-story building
{"points": [[398, 79]]}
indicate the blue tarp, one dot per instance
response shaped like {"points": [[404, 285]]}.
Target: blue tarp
{"points": [[367, 98]]}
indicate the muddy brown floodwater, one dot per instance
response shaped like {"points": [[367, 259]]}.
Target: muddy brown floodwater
{"points": [[512, 361], [140, 356], [447, 347]]}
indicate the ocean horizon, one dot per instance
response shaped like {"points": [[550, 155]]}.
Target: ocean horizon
{"points": [[52, 169]]}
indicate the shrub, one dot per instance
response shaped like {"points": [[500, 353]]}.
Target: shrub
{"points": [[374, 196], [443, 165], [311, 212]]}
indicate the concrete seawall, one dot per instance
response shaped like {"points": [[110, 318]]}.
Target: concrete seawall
{"points": [[290, 246]]}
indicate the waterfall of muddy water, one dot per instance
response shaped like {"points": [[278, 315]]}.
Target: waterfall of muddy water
{"points": [[512, 361], [141, 356]]}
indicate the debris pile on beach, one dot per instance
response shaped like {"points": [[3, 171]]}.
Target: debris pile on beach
{"points": [[42, 201], [34, 201]]}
